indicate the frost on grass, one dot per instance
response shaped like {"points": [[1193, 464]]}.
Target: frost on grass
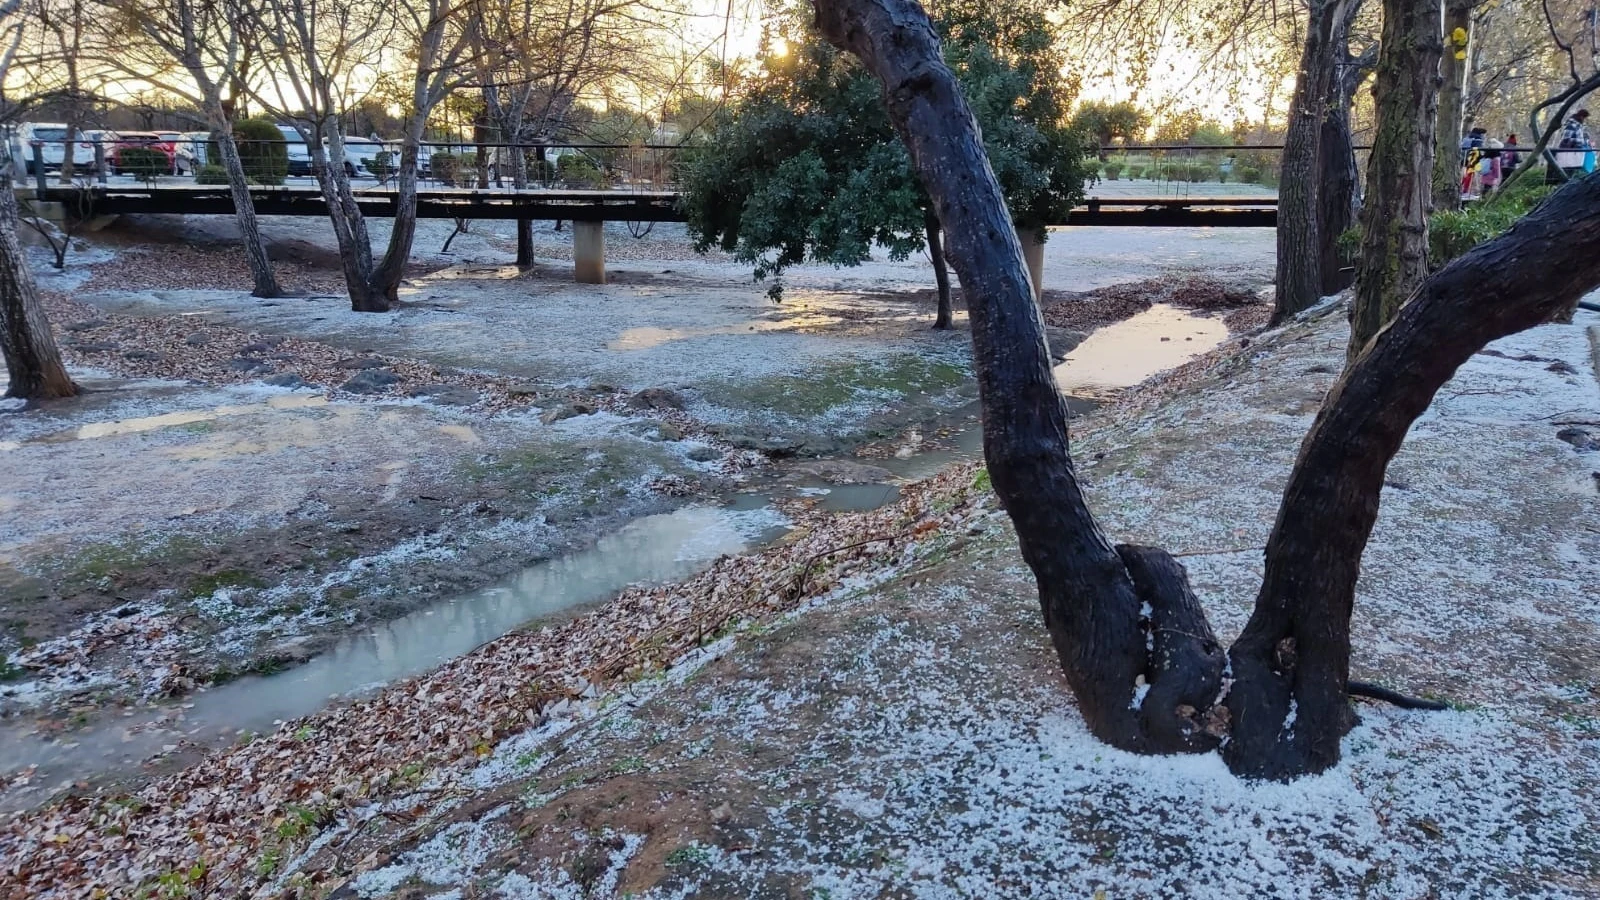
{"points": [[919, 741]]}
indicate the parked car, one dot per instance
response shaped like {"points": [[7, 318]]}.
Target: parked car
{"points": [[359, 153], [299, 154], [194, 150], [146, 140], [182, 153], [51, 138]]}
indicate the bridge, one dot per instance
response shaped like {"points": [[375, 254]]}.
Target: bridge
{"points": [[182, 197], [588, 210]]}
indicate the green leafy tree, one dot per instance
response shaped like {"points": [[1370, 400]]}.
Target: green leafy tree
{"points": [[1107, 122], [807, 167]]}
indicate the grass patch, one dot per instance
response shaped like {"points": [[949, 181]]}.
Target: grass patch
{"points": [[211, 582], [94, 565]]}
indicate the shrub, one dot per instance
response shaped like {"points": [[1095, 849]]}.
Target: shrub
{"points": [[143, 163], [1454, 232], [1113, 169], [1135, 172], [262, 150], [1248, 175], [211, 174], [445, 167], [578, 170], [381, 166], [1091, 169]]}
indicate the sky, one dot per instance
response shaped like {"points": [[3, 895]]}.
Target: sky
{"points": [[1173, 80]]}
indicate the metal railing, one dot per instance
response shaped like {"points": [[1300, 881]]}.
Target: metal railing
{"points": [[455, 163]]}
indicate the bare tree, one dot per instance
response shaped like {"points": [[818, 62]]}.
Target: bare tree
{"points": [[534, 58], [1394, 218], [1131, 636], [54, 65], [322, 50], [33, 363], [205, 41]]}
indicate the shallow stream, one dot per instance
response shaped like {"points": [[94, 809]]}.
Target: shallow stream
{"points": [[655, 549]]}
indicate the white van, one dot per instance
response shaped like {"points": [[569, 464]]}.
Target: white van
{"points": [[51, 137]]}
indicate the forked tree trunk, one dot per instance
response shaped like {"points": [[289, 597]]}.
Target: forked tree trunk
{"points": [[1453, 74], [1299, 233], [32, 360], [1340, 201], [349, 227], [391, 270], [1394, 218], [1131, 636], [255, 248], [941, 275], [1331, 502]]}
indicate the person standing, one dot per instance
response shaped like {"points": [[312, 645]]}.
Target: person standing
{"points": [[1575, 133], [1490, 168], [1511, 157], [1471, 155]]}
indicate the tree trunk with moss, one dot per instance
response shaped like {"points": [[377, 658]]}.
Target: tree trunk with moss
{"points": [[1340, 202], [1394, 216], [1454, 68]]}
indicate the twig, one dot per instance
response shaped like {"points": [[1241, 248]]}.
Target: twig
{"points": [[1404, 701], [1220, 552]]}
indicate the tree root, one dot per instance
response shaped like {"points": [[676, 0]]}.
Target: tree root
{"points": [[1404, 701]]}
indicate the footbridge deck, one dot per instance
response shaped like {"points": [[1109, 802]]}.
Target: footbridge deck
{"points": [[619, 205]]}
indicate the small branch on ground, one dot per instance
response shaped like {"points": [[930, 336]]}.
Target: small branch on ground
{"points": [[1404, 701]]}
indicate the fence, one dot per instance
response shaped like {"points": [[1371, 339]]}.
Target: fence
{"points": [[1128, 170]]}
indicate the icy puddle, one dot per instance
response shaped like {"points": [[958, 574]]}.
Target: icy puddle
{"points": [[651, 550], [168, 420], [1122, 355]]}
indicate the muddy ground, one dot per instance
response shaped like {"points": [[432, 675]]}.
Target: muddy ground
{"points": [[246, 481]]}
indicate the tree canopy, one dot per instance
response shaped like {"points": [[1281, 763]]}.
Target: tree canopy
{"points": [[806, 166]]}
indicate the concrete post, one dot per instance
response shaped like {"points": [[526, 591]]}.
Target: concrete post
{"points": [[40, 182], [1033, 255], [99, 161], [589, 252]]}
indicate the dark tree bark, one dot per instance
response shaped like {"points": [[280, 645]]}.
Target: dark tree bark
{"points": [[941, 275], [519, 175], [32, 361], [1130, 634], [1299, 234], [1090, 604], [1339, 205], [1394, 218], [1331, 502], [1453, 75]]}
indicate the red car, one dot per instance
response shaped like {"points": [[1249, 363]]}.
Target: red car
{"points": [[144, 140]]}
